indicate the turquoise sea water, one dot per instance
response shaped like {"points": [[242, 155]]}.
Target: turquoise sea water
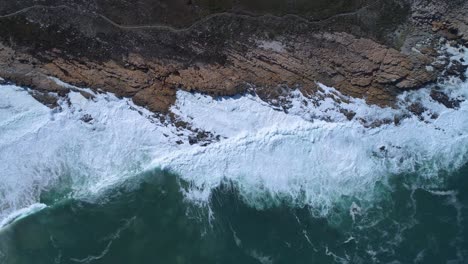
{"points": [[147, 220]]}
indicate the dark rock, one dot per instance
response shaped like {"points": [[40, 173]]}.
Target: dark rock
{"points": [[417, 108], [87, 118], [445, 99], [398, 118], [449, 34], [457, 69], [348, 113], [45, 98], [192, 140]]}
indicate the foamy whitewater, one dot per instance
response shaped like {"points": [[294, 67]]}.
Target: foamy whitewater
{"points": [[312, 155]]}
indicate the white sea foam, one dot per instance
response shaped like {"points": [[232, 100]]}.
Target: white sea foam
{"points": [[40, 146], [287, 156], [19, 214], [298, 157], [311, 155]]}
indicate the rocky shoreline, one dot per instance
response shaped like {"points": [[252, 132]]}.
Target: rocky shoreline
{"points": [[362, 48]]}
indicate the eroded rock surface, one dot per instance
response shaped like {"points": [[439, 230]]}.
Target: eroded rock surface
{"points": [[215, 53]]}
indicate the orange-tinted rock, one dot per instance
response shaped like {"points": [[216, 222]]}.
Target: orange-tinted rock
{"points": [[157, 98], [355, 66]]}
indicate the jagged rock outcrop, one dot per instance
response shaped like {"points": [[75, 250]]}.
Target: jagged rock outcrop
{"points": [[448, 19], [219, 54]]}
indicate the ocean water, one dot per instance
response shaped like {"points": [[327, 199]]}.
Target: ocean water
{"points": [[149, 221], [101, 180]]}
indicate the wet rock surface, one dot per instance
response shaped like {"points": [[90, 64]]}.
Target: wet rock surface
{"points": [[445, 99], [457, 69], [143, 51]]}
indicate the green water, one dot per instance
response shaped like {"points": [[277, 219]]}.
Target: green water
{"points": [[147, 220]]}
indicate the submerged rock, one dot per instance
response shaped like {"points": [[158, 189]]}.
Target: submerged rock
{"points": [[445, 99]]}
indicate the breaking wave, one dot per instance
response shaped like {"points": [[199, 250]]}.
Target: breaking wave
{"points": [[310, 155]]}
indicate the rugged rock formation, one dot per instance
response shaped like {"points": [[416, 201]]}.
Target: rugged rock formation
{"points": [[145, 52], [448, 18]]}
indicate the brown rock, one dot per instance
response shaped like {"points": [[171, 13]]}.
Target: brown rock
{"points": [[157, 98], [220, 55]]}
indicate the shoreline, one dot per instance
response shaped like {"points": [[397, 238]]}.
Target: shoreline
{"points": [[228, 55]]}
